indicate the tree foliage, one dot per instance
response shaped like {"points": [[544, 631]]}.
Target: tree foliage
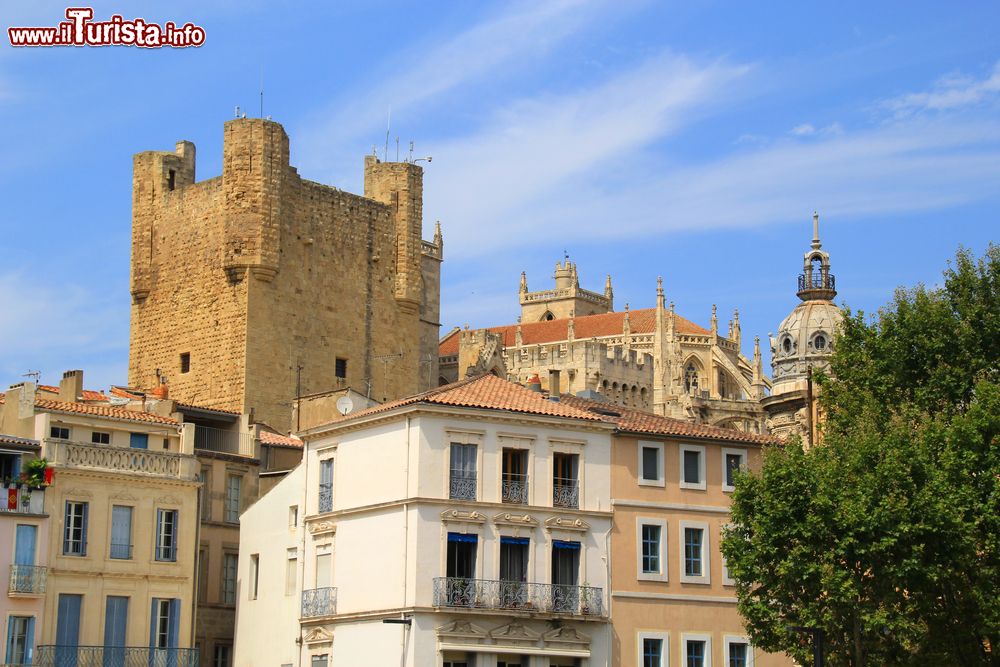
{"points": [[887, 535]]}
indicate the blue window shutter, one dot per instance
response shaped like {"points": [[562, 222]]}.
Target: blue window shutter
{"points": [[68, 620], [560, 544], [83, 546], [29, 641], [152, 623], [513, 540], [174, 624], [24, 548], [138, 441], [10, 641], [66, 529], [159, 535], [175, 535], [462, 537]]}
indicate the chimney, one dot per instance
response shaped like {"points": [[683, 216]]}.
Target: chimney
{"points": [[554, 386], [534, 383], [71, 386]]}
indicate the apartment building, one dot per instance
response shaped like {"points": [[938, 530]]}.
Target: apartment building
{"points": [[120, 542], [672, 600], [469, 525], [24, 538]]}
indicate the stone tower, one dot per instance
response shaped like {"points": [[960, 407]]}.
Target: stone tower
{"points": [[566, 300], [803, 344], [257, 285]]}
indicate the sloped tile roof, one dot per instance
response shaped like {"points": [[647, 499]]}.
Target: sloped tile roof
{"points": [[483, 391], [86, 394], [103, 411], [20, 443], [588, 326], [630, 420], [268, 438]]}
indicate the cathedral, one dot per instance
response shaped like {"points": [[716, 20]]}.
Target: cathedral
{"points": [[654, 359]]}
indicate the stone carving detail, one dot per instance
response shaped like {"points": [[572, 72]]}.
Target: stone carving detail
{"points": [[318, 636], [566, 523], [510, 519], [463, 516], [322, 527]]}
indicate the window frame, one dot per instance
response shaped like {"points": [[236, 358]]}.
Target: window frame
{"points": [[660, 463], [662, 573], [100, 437], [696, 637], [664, 637], [450, 469], [729, 640], [85, 505], [321, 506], [228, 597], [60, 429], [729, 451], [162, 552], [706, 561], [254, 576], [702, 484], [227, 510]]}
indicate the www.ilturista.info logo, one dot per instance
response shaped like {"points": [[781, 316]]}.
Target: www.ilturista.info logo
{"points": [[81, 30]]}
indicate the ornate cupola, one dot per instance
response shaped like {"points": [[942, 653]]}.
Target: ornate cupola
{"points": [[816, 282]]}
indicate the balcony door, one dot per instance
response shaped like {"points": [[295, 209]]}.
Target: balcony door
{"points": [[115, 622], [461, 570], [565, 484], [68, 629], [565, 575], [24, 548], [513, 572], [514, 488]]}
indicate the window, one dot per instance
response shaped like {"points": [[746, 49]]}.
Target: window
{"points": [[462, 555], [185, 362], [650, 463], [652, 649], [732, 461], [463, 472], [513, 572], [203, 575], [786, 345], [324, 568], [340, 368], [229, 562], [138, 440], [326, 485], [205, 493], [75, 529], [692, 466], [514, 483], [121, 532], [223, 656], [100, 438], [566, 572], [10, 466], [738, 653], [694, 552], [819, 342], [293, 516], [565, 484], [697, 651], [166, 535], [20, 639], [652, 553], [233, 487], [320, 661], [291, 571], [513, 661], [60, 432], [691, 379], [254, 575], [171, 179], [115, 626], [165, 623]]}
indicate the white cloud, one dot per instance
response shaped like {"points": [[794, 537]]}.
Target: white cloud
{"points": [[802, 130], [808, 130], [950, 92]]}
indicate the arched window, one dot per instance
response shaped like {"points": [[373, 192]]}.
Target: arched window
{"points": [[786, 345], [820, 342], [548, 316], [691, 378]]}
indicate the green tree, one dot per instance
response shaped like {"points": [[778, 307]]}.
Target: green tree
{"points": [[887, 535]]}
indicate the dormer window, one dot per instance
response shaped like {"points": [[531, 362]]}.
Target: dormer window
{"points": [[786, 345], [819, 342]]}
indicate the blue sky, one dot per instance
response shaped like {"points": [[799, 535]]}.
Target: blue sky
{"points": [[691, 140]]}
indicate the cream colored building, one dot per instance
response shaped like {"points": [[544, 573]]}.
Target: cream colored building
{"points": [[652, 359], [468, 525], [121, 534], [672, 601], [803, 345]]}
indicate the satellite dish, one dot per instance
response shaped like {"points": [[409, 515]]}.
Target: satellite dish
{"points": [[344, 404]]}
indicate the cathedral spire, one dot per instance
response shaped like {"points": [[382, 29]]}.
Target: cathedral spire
{"points": [[524, 283], [608, 292], [715, 321], [816, 283], [659, 293], [815, 242]]}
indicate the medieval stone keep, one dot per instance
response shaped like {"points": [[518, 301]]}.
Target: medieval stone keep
{"points": [[256, 286]]}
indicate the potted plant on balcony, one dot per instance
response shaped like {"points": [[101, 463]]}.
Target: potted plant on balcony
{"points": [[37, 473]]}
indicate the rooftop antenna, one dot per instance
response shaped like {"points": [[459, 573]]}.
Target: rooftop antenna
{"points": [[410, 159], [237, 112], [388, 124], [37, 375], [262, 90]]}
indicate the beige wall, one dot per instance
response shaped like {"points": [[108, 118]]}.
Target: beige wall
{"points": [[667, 603]]}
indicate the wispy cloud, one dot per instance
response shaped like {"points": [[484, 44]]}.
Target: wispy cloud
{"points": [[948, 93], [521, 34], [808, 130]]}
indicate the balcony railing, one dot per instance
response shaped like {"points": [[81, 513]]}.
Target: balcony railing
{"points": [[817, 280], [27, 580], [121, 551], [463, 486], [20, 499], [121, 459], [114, 656], [211, 439], [565, 493], [514, 489], [319, 602], [518, 596]]}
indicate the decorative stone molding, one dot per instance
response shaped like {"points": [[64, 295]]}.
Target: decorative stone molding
{"points": [[79, 493], [567, 523], [463, 631], [565, 637], [515, 633], [463, 516], [512, 519], [318, 637], [123, 495], [168, 500], [322, 527]]}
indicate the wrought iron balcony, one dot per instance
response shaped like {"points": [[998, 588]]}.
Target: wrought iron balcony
{"points": [[319, 602], [211, 439], [518, 596], [325, 498], [463, 486], [566, 493], [27, 580], [121, 551], [114, 656], [21, 499], [817, 285], [514, 489]]}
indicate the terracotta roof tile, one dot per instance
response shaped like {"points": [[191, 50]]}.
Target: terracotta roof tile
{"points": [[121, 392], [483, 391], [631, 420], [268, 438], [11, 440], [588, 326], [191, 406], [87, 394], [103, 411]]}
